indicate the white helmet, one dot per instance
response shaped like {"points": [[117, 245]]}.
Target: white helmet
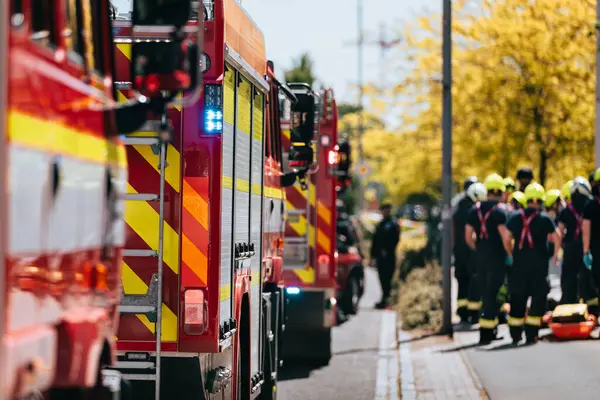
{"points": [[581, 186], [477, 192]]}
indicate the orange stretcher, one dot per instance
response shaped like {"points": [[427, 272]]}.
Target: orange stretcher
{"points": [[572, 321]]}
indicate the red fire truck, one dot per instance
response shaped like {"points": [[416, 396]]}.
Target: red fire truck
{"points": [[310, 258], [64, 174], [209, 206]]}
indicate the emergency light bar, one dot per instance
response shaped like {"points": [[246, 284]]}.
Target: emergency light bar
{"points": [[213, 109]]}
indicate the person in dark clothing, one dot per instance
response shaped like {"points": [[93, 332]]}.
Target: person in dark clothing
{"points": [[525, 177], [590, 229], [383, 252], [528, 272], [483, 236], [570, 219], [463, 255]]}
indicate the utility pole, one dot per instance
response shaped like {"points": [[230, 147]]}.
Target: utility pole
{"points": [[361, 93], [597, 138], [447, 168]]}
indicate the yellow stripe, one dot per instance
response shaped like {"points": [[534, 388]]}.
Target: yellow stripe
{"points": [[306, 275], [512, 321], [257, 121], [225, 290], [132, 284], [243, 108], [229, 96], [462, 303], [242, 186], [195, 204], [286, 133], [256, 189], [533, 321], [488, 323], [227, 182], [592, 302], [51, 136], [142, 218], [273, 193], [323, 241], [300, 225], [194, 258], [313, 194], [125, 48], [474, 305], [324, 213], [172, 171]]}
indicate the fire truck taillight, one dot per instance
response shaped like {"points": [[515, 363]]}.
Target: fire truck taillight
{"points": [[194, 312], [323, 267], [101, 277], [333, 157], [213, 109]]}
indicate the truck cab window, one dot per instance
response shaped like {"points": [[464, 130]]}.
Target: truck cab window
{"points": [[88, 36], [72, 33], [43, 29], [99, 26]]}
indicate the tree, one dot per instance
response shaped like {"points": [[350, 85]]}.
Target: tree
{"points": [[523, 94], [301, 71]]}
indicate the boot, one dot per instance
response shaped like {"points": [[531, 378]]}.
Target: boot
{"points": [[516, 333], [531, 334]]}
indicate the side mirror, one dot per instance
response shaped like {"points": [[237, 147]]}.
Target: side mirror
{"points": [[165, 51], [344, 158], [288, 179], [300, 157], [305, 122]]}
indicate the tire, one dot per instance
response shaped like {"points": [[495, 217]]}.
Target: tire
{"points": [[351, 296]]}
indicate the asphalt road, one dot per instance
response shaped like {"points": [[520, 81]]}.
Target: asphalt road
{"points": [[549, 370], [352, 371]]}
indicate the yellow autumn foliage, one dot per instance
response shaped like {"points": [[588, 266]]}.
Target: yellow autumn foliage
{"points": [[523, 94]]}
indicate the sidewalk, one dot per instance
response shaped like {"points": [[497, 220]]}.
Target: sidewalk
{"points": [[434, 368]]}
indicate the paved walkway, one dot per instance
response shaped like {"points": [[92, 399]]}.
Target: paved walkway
{"points": [[434, 368]]}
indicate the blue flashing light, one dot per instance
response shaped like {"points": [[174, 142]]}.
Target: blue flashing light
{"points": [[293, 290], [213, 121]]}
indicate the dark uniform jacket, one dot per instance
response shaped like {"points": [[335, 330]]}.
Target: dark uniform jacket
{"points": [[385, 239]]}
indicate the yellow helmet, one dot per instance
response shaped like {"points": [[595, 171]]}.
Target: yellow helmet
{"points": [[509, 184], [534, 191], [597, 175], [494, 182], [551, 197], [566, 190], [520, 198]]}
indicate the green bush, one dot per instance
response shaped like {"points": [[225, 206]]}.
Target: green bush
{"points": [[420, 298]]}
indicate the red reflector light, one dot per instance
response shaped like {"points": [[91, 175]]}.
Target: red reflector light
{"points": [[194, 312], [323, 266]]}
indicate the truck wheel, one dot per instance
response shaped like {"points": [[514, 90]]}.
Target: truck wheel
{"points": [[351, 296]]}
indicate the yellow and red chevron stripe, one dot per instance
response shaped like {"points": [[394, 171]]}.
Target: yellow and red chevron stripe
{"points": [[185, 228]]}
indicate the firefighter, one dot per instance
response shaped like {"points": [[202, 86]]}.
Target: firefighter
{"points": [[383, 251], [528, 261], [565, 192], [570, 221], [518, 201], [525, 177], [477, 192], [553, 203], [483, 236], [590, 229], [462, 252], [510, 188]]}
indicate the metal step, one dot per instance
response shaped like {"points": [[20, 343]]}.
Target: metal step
{"points": [[141, 140], [134, 365], [141, 196], [139, 253], [146, 304], [296, 212], [139, 377]]}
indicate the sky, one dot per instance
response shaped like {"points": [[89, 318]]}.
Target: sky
{"points": [[327, 29]]}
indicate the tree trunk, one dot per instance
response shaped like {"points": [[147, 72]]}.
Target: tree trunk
{"points": [[543, 165]]}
